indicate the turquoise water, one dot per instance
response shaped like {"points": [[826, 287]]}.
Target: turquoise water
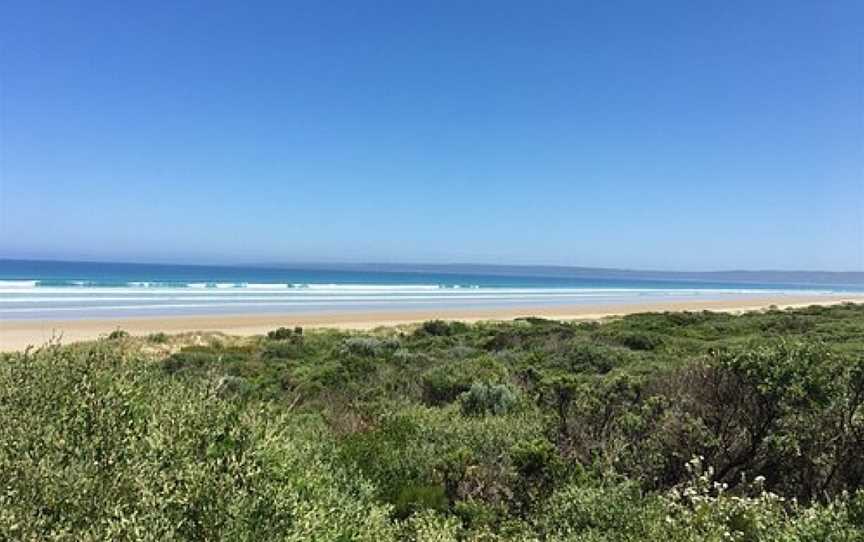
{"points": [[71, 290]]}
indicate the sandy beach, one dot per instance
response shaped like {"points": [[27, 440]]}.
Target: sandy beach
{"points": [[18, 334]]}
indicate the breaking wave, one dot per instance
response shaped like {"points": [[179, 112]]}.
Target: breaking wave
{"points": [[27, 298]]}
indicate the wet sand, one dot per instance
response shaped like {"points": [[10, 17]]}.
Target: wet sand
{"points": [[18, 334]]}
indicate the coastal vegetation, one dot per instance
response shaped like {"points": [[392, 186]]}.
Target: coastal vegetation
{"points": [[684, 426]]}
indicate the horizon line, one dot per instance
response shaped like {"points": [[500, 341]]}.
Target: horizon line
{"points": [[306, 264]]}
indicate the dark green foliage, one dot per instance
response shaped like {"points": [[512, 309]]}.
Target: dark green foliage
{"points": [[444, 383], [281, 334], [284, 343], [479, 515], [442, 386], [231, 386], [483, 398], [529, 430], [538, 464], [282, 349], [286, 334], [190, 360], [534, 321], [157, 338], [369, 346], [634, 340], [585, 357], [440, 328], [117, 334], [416, 497]]}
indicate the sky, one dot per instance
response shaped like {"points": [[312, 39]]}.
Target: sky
{"points": [[656, 135]]}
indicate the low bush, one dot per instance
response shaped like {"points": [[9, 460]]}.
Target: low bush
{"points": [[444, 383], [157, 338], [283, 349], [126, 454], [117, 334], [440, 328], [285, 334], [529, 430], [483, 398], [635, 340], [369, 346]]}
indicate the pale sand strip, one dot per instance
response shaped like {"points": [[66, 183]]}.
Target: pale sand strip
{"points": [[17, 334]]}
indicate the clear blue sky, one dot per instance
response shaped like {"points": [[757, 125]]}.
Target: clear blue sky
{"points": [[668, 135]]}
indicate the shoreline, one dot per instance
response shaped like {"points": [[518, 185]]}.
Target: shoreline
{"points": [[18, 334]]}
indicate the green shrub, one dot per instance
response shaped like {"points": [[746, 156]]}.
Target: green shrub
{"points": [[231, 386], [369, 346], [483, 398], [190, 360], [157, 338], [562, 432], [283, 349], [636, 340], [535, 321], [601, 511], [124, 453], [440, 328], [285, 334], [117, 334], [461, 351], [406, 357], [440, 386], [590, 357], [444, 384], [416, 497], [538, 464]]}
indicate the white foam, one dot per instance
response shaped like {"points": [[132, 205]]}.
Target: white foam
{"points": [[337, 289], [338, 301], [21, 288], [16, 284], [80, 298]]}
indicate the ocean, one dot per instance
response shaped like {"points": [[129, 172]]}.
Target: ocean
{"points": [[75, 290]]}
